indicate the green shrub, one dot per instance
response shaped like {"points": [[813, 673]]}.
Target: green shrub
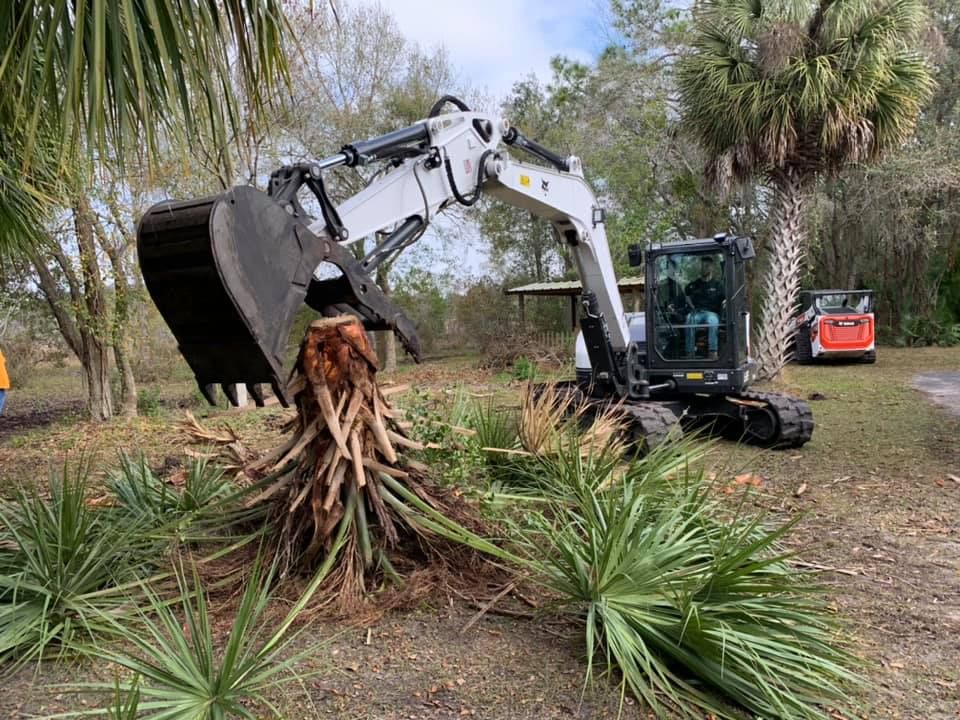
{"points": [[154, 503], [524, 369], [181, 672], [148, 401], [695, 605], [64, 566]]}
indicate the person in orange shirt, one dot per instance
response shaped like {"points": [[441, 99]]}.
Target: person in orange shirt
{"points": [[4, 382]]}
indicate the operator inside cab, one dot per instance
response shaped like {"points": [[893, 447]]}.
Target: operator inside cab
{"points": [[705, 295], [671, 295], [690, 315]]}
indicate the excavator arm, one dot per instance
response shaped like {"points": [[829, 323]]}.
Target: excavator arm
{"points": [[229, 273]]}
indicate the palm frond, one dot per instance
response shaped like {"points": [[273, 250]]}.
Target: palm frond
{"points": [[180, 669], [818, 89], [695, 604], [107, 69], [64, 568]]}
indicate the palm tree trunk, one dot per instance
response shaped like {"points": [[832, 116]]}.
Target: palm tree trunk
{"points": [[781, 282]]}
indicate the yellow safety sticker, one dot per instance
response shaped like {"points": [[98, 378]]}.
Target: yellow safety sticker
{"points": [[525, 180], [694, 376]]}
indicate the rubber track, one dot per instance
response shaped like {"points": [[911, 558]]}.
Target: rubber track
{"points": [[794, 417], [802, 351], [650, 422]]}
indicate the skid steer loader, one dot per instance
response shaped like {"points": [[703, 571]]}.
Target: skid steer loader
{"points": [[228, 273], [835, 324]]}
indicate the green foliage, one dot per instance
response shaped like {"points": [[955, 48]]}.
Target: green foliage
{"points": [[434, 422], [180, 670], [153, 503], [495, 428], [111, 75], [423, 297], [696, 605], [789, 85], [524, 369], [148, 401], [918, 331], [63, 567]]}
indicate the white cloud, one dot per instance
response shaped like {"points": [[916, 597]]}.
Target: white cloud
{"points": [[494, 43]]}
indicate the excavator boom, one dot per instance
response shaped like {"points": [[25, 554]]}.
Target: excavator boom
{"points": [[229, 273]]}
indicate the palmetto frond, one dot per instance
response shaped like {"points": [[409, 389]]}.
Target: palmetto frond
{"points": [[769, 86], [110, 74]]}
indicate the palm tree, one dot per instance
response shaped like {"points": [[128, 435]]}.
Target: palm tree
{"points": [[788, 90], [115, 75]]}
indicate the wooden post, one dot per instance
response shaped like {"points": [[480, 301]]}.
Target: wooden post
{"points": [[523, 319], [573, 312]]}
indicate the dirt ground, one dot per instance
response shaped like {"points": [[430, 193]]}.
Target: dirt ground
{"points": [[878, 487]]}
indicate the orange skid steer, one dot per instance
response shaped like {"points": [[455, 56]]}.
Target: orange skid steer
{"points": [[835, 324]]}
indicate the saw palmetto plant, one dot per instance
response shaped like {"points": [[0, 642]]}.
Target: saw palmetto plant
{"points": [[787, 91], [163, 505], [184, 669], [695, 607], [65, 566]]}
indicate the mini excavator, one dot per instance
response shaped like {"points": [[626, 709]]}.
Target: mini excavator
{"points": [[229, 273]]}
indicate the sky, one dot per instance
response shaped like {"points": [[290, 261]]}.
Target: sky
{"points": [[494, 43]]}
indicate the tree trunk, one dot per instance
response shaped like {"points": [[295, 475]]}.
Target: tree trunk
{"points": [[119, 335], [95, 322], [340, 472], [781, 282], [128, 383], [95, 358], [388, 341]]}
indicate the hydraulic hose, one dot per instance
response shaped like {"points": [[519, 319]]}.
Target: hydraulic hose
{"points": [[438, 105]]}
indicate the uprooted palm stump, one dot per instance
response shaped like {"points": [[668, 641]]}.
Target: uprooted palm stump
{"points": [[340, 470]]}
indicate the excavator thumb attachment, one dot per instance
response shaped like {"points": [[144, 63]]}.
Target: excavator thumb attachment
{"points": [[229, 273]]}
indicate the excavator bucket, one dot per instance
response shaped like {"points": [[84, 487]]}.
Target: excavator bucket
{"points": [[229, 273]]}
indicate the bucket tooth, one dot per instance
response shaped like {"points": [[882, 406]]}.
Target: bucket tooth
{"points": [[281, 393], [230, 390], [256, 392], [209, 391]]}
